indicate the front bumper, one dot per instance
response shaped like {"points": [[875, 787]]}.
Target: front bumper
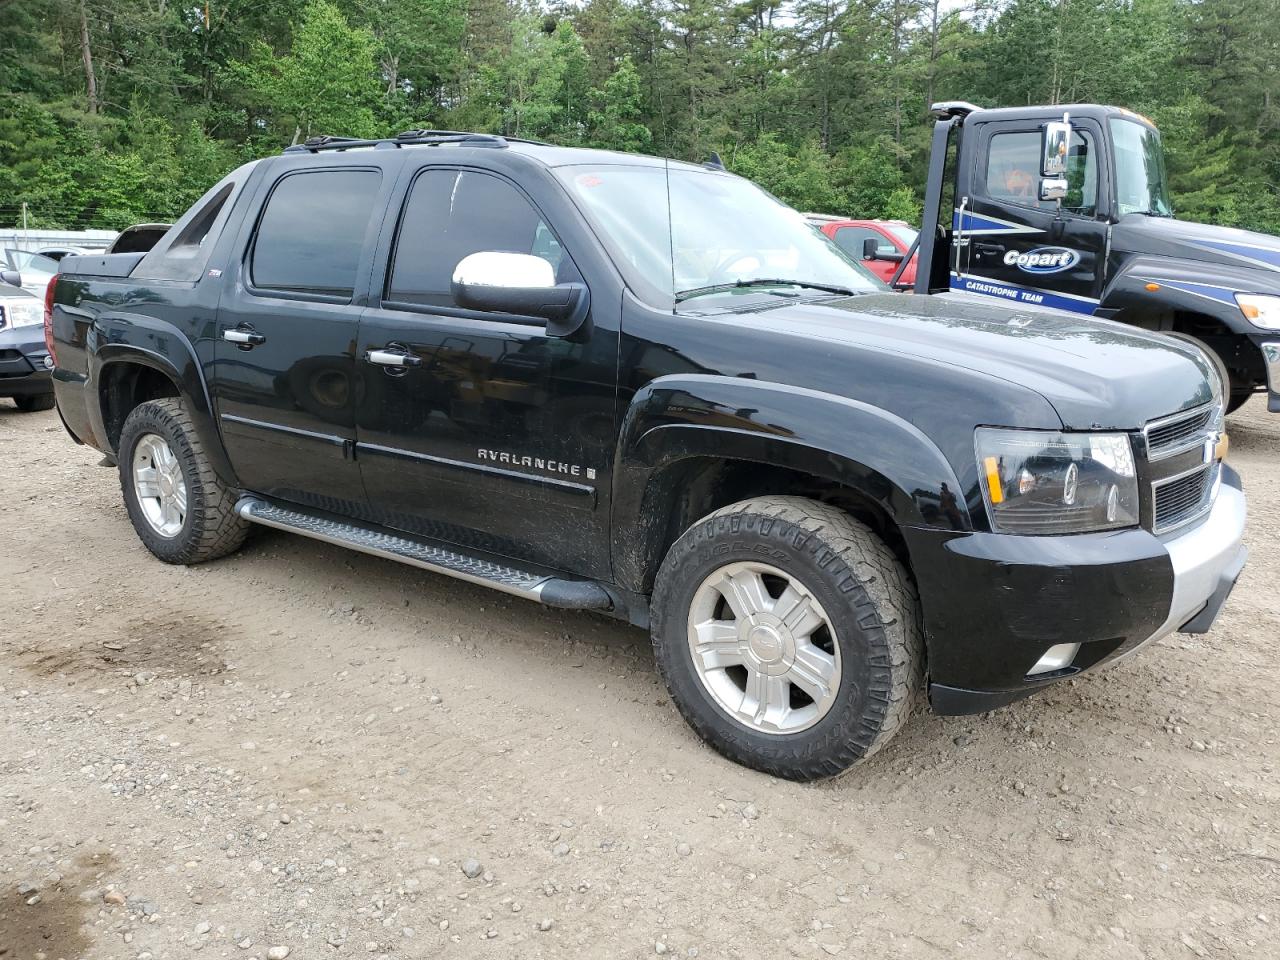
{"points": [[1271, 363], [995, 605], [23, 371]]}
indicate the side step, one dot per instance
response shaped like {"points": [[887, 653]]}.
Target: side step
{"points": [[553, 591]]}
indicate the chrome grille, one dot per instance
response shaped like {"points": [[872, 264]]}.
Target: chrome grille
{"points": [[1184, 497], [1170, 436]]}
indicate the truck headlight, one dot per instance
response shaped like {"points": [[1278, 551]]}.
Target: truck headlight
{"points": [[24, 314], [1044, 482], [1261, 311]]}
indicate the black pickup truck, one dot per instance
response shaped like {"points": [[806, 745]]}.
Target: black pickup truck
{"points": [[647, 388]]}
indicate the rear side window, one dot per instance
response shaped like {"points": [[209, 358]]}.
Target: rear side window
{"points": [[451, 214], [312, 232]]}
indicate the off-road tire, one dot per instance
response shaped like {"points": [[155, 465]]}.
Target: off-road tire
{"points": [[867, 594], [212, 528], [35, 402]]}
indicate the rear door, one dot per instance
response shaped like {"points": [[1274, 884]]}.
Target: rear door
{"points": [[1025, 250], [286, 334], [489, 434]]}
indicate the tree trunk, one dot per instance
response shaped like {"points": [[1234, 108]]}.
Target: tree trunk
{"points": [[86, 55]]}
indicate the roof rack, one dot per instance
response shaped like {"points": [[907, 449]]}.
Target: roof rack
{"points": [[407, 138]]}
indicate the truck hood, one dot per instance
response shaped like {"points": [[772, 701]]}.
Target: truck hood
{"points": [[1096, 374], [1166, 237]]}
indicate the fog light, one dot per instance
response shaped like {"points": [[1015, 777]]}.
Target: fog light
{"points": [[1057, 657]]}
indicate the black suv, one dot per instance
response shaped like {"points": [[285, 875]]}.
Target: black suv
{"points": [[647, 388]]}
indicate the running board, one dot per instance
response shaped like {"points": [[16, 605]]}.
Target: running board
{"points": [[552, 591]]}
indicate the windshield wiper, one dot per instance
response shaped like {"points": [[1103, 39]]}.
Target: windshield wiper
{"points": [[683, 295]]}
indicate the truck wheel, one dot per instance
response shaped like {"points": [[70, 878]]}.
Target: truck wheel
{"points": [[788, 635], [1235, 393], [177, 504], [33, 404]]}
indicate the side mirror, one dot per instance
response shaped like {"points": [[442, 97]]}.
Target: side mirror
{"points": [[1055, 142], [520, 284], [872, 250], [11, 277], [1053, 188]]}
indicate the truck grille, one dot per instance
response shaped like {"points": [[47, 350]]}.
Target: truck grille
{"points": [[1179, 499], [1169, 436], [1180, 476]]}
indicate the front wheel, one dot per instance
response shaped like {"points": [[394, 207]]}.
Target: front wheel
{"points": [[179, 508], [35, 402], [788, 635]]}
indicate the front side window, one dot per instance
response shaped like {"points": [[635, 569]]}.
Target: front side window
{"points": [[451, 214], [851, 240], [1141, 184], [684, 231], [1013, 172], [312, 232]]}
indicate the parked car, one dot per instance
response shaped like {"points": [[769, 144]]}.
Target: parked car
{"points": [[35, 269], [24, 358], [880, 245], [647, 388]]}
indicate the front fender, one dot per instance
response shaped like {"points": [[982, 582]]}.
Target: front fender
{"points": [[882, 456], [1190, 286], [146, 341]]}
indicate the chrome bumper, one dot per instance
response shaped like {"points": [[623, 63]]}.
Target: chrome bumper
{"points": [[1206, 562], [1271, 360]]}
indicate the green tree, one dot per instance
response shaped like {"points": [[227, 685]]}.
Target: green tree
{"points": [[615, 124], [326, 84]]}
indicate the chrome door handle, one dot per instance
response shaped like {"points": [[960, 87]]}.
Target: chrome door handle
{"points": [[390, 358], [245, 338]]}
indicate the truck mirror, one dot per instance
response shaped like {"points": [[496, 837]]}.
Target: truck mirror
{"points": [[11, 277], [520, 284], [869, 247], [1053, 188], [1056, 144]]}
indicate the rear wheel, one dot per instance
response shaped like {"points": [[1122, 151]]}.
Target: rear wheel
{"points": [[35, 403], [178, 506], [788, 635]]}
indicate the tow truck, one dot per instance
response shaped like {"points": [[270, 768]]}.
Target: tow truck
{"points": [[1069, 207]]}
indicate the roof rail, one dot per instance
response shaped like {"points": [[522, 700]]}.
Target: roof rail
{"points": [[405, 138]]}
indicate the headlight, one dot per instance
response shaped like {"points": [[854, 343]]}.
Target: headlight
{"points": [[1038, 482], [1261, 311], [23, 314]]}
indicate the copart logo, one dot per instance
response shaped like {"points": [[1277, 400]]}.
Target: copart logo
{"points": [[1042, 260]]}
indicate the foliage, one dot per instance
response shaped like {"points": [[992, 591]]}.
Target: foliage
{"points": [[824, 102]]}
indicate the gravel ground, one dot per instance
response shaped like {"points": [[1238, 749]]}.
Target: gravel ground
{"points": [[301, 751]]}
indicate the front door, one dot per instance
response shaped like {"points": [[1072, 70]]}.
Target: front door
{"points": [[480, 429], [1021, 249], [286, 329]]}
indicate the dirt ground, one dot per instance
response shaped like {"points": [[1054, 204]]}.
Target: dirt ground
{"points": [[300, 748]]}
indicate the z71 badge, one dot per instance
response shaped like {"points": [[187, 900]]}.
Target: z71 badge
{"points": [[1042, 260]]}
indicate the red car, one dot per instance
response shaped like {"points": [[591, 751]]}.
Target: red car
{"points": [[879, 245]]}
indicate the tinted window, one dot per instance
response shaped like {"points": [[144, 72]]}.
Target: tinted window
{"points": [[312, 232], [851, 239], [1013, 171], [451, 214]]}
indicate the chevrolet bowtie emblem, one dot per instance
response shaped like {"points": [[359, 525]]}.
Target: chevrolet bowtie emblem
{"points": [[1215, 447]]}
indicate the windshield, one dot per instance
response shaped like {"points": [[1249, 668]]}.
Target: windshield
{"points": [[713, 230], [1141, 185]]}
